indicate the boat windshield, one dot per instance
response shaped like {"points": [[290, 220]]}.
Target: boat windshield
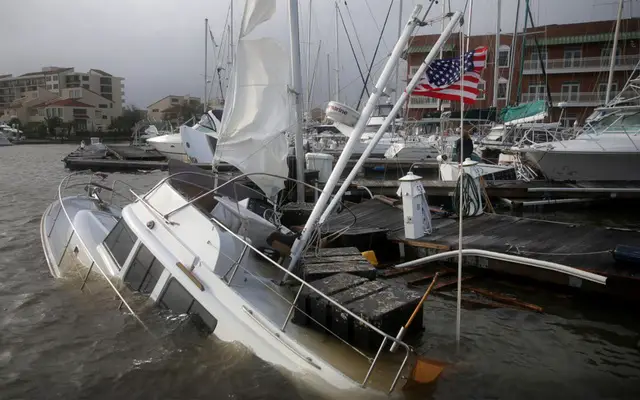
{"points": [[206, 124], [618, 122]]}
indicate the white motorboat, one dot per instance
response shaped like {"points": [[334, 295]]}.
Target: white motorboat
{"points": [[606, 149], [199, 141], [169, 145]]}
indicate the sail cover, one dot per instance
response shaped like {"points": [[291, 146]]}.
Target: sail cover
{"points": [[258, 107], [523, 113]]}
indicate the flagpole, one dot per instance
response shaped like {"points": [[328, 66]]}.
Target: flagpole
{"points": [[461, 171]]}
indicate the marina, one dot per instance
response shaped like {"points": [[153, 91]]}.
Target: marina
{"points": [[458, 230]]}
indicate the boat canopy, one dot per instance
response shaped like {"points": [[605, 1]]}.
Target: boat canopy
{"points": [[527, 112]]}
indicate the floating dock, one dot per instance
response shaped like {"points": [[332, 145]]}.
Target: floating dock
{"points": [[585, 247]]}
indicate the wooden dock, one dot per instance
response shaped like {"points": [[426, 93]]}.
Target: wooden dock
{"points": [[581, 246]]}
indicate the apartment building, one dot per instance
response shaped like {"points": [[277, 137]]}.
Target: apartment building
{"points": [[169, 108], [576, 58], [24, 96]]}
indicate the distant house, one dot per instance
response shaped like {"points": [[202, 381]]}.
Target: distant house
{"points": [[169, 108]]}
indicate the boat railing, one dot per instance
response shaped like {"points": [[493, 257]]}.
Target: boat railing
{"points": [[64, 185], [386, 338]]}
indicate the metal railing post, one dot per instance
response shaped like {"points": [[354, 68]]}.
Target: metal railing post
{"points": [[375, 359], [73, 231], [236, 264], [84, 282], [293, 305]]}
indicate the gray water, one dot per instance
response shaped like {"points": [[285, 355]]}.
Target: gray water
{"points": [[57, 342]]}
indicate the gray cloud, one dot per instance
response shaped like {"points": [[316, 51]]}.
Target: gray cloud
{"points": [[157, 46]]}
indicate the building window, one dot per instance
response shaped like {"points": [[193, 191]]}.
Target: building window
{"points": [[79, 111], [568, 120], [174, 101], [49, 78], [605, 55], [502, 89], [536, 56], [413, 69], [602, 90], [572, 57], [86, 86], [85, 78], [537, 92], [103, 106], [481, 89], [120, 241], [55, 77], [177, 299], [503, 56], [105, 81], [570, 91], [104, 117], [74, 94], [55, 85], [155, 110], [105, 89]]}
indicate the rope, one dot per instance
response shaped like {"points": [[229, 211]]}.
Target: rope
{"points": [[353, 51], [466, 187]]}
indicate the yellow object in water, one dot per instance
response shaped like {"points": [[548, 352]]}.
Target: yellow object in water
{"points": [[370, 255]]}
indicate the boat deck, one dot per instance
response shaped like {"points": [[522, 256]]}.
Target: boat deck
{"points": [[258, 286]]}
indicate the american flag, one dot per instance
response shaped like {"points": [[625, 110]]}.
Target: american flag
{"points": [[442, 78]]}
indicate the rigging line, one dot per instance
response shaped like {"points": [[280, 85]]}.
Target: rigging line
{"points": [[355, 31], [353, 51], [375, 53], [384, 42]]}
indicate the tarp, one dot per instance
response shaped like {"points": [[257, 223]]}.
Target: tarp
{"points": [[527, 112], [258, 107]]}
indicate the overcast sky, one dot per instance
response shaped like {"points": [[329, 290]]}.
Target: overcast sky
{"points": [[158, 45]]}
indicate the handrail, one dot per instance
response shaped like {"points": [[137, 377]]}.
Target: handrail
{"points": [[65, 180], [364, 322]]}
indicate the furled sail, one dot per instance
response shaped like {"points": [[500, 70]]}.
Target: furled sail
{"points": [[523, 113], [258, 106]]}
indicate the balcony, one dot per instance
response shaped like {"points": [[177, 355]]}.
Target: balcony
{"points": [[426, 102], [577, 65], [580, 99]]}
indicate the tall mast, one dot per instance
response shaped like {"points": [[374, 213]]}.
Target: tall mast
{"points": [[398, 70], [231, 53], [614, 49], [329, 76], [309, 61], [496, 68], [206, 39], [524, 43], [512, 54], [294, 31], [337, 66]]}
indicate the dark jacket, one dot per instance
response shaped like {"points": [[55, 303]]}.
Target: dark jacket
{"points": [[467, 148]]}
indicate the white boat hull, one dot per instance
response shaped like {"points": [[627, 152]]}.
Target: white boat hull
{"points": [[587, 166], [170, 146]]}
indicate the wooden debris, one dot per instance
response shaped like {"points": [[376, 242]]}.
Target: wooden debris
{"points": [[506, 299]]}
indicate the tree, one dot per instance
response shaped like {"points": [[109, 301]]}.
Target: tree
{"points": [[52, 123], [15, 123], [125, 123], [189, 110]]}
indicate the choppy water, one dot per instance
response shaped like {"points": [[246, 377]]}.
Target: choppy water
{"points": [[59, 343]]}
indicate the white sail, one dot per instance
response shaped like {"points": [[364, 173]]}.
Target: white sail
{"points": [[258, 107]]}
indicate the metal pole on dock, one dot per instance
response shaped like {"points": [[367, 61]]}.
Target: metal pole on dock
{"points": [[206, 42], [512, 54], [337, 66], [294, 32], [387, 121], [496, 68], [301, 243], [614, 57]]}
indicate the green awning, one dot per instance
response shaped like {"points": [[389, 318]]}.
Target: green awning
{"points": [[527, 112], [427, 48], [595, 38]]}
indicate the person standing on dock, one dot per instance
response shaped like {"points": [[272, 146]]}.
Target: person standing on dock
{"points": [[467, 148]]}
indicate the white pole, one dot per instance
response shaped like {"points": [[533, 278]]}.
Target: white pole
{"points": [[613, 54], [398, 71], [444, 12], [299, 244], [337, 66], [313, 77], [329, 76], [391, 117], [206, 39], [294, 31], [231, 53], [512, 54], [496, 69], [308, 109], [461, 170]]}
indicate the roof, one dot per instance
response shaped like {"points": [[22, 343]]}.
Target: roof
{"points": [[427, 48], [66, 103], [52, 71], [101, 72], [173, 95], [592, 38]]}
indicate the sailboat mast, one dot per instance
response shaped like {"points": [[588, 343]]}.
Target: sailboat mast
{"points": [[329, 76], [398, 70], [496, 68], [206, 40], [294, 33], [614, 50], [231, 53], [512, 54], [337, 66]]}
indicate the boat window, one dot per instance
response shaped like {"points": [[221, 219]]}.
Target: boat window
{"points": [[120, 241], [144, 272], [177, 299]]}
